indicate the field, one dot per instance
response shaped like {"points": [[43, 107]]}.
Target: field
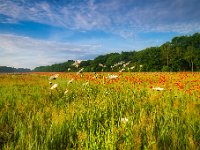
{"points": [[100, 111]]}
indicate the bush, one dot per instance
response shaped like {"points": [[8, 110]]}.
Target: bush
{"points": [[166, 69]]}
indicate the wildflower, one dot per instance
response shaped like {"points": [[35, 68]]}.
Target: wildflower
{"points": [[69, 69], [86, 83], [141, 66], [54, 86], [66, 91], [106, 92], [50, 83], [126, 64], [76, 63], [112, 76], [124, 120], [70, 81], [119, 63], [53, 77], [158, 89], [132, 67], [121, 70], [81, 70], [95, 76], [101, 65]]}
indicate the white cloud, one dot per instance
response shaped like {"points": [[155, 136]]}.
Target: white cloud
{"points": [[122, 18], [21, 51]]}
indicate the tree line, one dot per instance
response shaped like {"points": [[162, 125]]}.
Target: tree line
{"points": [[5, 69], [180, 54]]}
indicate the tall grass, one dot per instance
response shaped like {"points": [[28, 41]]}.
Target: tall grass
{"points": [[89, 115]]}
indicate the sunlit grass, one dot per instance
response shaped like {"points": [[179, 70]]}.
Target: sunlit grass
{"points": [[99, 112]]}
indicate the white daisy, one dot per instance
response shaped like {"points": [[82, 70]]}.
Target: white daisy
{"points": [[53, 77], [158, 89], [66, 91], [70, 81], [54, 86], [112, 76], [124, 120]]}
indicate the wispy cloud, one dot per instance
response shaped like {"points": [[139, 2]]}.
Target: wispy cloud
{"points": [[121, 22], [124, 18], [21, 51]]}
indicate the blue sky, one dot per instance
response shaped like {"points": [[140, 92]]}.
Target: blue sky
{"points": [[43, 32]]}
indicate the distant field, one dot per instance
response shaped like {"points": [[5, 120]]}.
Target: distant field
{"points": [[100, 111]]}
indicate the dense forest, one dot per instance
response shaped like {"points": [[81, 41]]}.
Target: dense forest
{"points": [[180, 54], [11, 69]]}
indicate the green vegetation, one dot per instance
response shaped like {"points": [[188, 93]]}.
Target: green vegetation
{"points": [[181, 54], [11, 69], [122, 112]]}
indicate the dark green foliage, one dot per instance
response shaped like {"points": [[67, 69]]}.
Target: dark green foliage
{"points": [[11, 69], [166, 69], [180, 54], [61, 67]]}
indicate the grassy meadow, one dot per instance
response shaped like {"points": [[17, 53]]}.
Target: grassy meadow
{"points": [[100, 111]]}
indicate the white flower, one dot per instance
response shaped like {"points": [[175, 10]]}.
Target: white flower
{"points": [[50, 83], [158, 89], [119, 63], [121, 70], [81, 70], [54, 86], [66, 91], [101, 65], [126, 64], [112, 76], [76, 63], [70, 81], [53, 77], [132, 67], [124, 120], [95, 76], [86, 83], [69, 69], [141, 66]]}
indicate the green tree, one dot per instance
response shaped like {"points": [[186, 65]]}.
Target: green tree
{"points": [[190, 56]]}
